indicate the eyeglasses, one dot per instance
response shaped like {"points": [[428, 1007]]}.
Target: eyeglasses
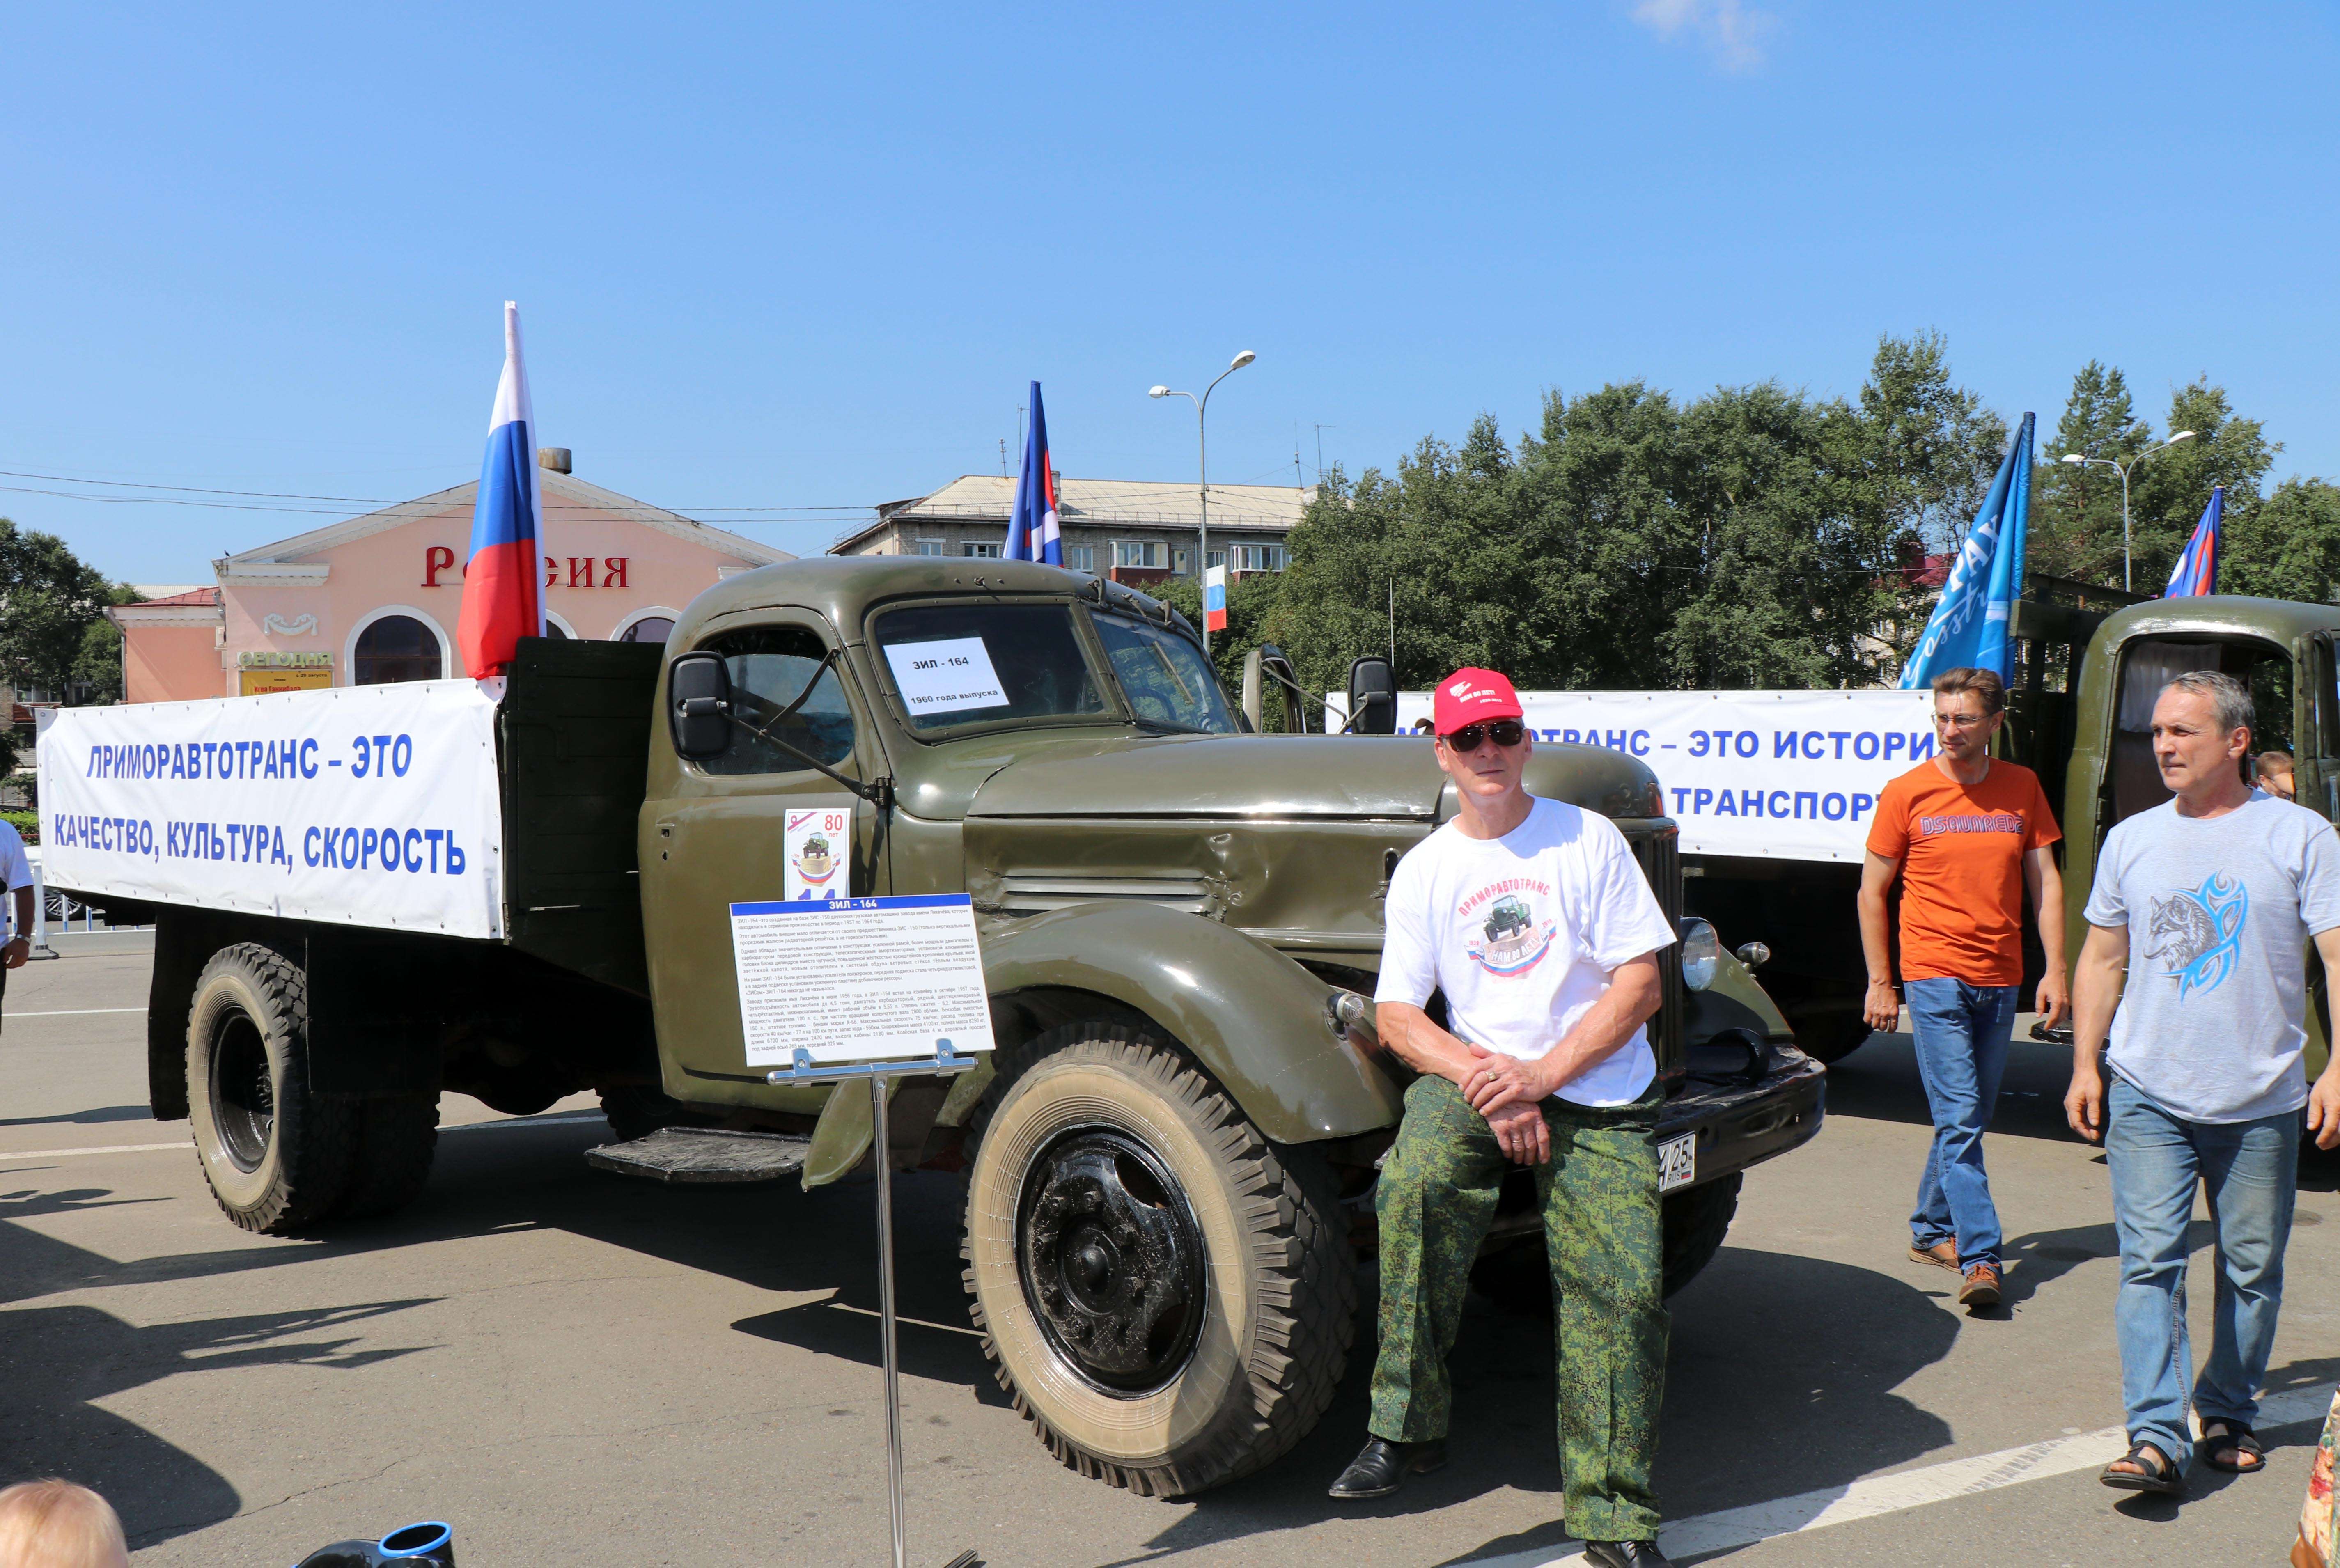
{"points": [[1958, 720], [1504, 733]]}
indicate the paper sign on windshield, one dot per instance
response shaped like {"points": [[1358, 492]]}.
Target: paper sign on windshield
{"points": [[945, 677]]}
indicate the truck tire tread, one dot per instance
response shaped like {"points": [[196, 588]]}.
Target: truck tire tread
{"points": [[1304, 1311], [314, 1138], [396, 1139]]}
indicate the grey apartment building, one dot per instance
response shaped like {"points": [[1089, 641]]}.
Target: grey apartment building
{"points": [[1129, 530]]}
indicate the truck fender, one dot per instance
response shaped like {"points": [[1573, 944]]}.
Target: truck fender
{"points": [[1258, 1021], [1734, 999]]}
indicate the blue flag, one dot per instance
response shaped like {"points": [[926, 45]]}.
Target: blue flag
{"points": [[2196, 570], [1969, 629], [1032, 526]]}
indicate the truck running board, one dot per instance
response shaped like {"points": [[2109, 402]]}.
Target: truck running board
{"points": [[704, 1154]]}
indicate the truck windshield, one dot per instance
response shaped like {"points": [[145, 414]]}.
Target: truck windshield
{"points": [[1163, 677], [974, 663]]}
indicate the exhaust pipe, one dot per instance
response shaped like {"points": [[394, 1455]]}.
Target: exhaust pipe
{"points": [[429, 1544]]}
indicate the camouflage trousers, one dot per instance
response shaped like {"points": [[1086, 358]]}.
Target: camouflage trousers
{"points": [[1599, 1195]]}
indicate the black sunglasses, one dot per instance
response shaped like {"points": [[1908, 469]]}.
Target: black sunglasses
{"points": [[1505, 732]]}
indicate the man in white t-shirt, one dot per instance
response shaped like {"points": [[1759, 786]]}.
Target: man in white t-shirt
{"points": [[16, 879], [1534, 921]]}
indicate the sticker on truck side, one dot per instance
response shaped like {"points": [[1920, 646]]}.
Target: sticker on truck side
{"points": [[1677, 1162]]}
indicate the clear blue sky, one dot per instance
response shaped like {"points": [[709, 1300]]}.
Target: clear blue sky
{"points": [[812, 257]]}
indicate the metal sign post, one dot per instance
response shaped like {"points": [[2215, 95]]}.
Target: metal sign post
{"points": [[944, 1063], [880, 987]]}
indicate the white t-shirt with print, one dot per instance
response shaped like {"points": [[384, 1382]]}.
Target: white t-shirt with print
{"points": [[1521, 933]]}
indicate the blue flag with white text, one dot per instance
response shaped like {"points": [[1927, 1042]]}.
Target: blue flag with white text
{"points": [[1969, 628]]}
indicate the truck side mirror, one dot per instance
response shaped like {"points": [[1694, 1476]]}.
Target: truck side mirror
{"points": [[699, 705], [1373, 696]]}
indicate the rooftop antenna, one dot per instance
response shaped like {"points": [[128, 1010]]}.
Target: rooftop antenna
{"points": [[1003, 457], [1320, 450]]}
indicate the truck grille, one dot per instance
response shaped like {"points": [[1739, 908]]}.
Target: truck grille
{"points": [[1659, 849]]}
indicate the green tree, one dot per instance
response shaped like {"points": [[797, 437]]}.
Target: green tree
{"points": [[53, 629], [2076, 517], [2286, 547], [1753, 537], [2076, 512], [2170, 489]]}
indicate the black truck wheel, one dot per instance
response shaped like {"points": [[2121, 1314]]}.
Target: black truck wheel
{"points": [[277, 1157], [1166, 1296], [395, 1141], [1517, 1278], [1831, 1037]]}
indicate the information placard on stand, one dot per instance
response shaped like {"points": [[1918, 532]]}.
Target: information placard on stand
{"points": [[874, 989]]}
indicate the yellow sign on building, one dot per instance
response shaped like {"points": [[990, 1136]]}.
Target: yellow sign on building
{"points": [[257, 682], [258, 672]]}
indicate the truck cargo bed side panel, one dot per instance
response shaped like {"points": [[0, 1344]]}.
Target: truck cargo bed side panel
{"points": [[575, 736]]}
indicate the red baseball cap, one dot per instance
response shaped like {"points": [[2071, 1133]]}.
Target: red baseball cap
{"points": [[1472, 696]]}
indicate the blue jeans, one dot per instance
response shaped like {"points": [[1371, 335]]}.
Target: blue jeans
{"points": [[2250, 1170], [1961, 1035]]}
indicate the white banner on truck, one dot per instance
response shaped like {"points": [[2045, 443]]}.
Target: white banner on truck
{"points": [[356, 805], [1777, 775]]}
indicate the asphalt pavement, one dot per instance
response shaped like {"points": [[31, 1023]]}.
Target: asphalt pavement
{"points": [[573, 1366]]}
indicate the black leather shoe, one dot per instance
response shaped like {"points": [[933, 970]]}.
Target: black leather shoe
{"points": [[1381, 1467], [1626, 1554]]}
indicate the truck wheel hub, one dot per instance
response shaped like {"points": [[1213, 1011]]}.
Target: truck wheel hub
{"points": [[243, 1096], [1111, 1259]]}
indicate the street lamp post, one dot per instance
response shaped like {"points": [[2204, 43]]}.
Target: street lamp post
{"points": [[1203, 475], [2122, 469]]}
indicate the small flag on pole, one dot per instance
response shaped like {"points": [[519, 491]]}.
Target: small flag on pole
{"points": [[1032, 526], [503, 598], [1215, 599], [2196, 570], [1969, 629]]}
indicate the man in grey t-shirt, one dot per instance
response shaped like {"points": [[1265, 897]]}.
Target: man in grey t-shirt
{"points": [[2209, 902]]}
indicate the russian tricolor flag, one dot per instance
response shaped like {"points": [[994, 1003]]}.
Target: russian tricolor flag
{"points": [[503, 596], [2196, 570], [1032, 526]]}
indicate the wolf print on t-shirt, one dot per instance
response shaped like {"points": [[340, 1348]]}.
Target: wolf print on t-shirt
{"points": [[1510, 940], [2198, 935]]}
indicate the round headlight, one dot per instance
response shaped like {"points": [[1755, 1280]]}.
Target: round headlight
{"points": [[1702, 953]]}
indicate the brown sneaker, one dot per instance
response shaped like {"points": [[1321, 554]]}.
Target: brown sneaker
{"points": [[1941, 1255], [1981, 1287]]}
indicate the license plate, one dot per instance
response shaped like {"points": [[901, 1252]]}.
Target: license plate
{"points": [[1678, 1162]]}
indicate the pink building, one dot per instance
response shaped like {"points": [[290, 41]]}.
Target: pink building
{"points": [[376, 599]]}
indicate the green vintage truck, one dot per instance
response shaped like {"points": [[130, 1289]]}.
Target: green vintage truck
{"points": [[1169, 1160], [2089, 663]]}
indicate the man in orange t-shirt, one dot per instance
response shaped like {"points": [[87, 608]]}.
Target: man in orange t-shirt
{"points": [[1967, 833]]}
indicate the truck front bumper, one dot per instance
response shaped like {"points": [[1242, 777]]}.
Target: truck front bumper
{"points": [[1745, 1113]]}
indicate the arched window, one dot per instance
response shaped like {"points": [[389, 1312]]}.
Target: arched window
{"points": [[649, 628], [552, 628], [397, 648]]}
